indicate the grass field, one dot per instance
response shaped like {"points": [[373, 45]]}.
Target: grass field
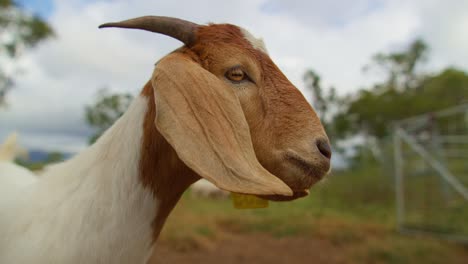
{"points": [[347, 219]]}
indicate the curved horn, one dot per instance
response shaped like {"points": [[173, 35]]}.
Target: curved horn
{"points": [[177, 28]]}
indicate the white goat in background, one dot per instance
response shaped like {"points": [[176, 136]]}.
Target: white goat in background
{"points": [[13, 176], [217, 108], [10, 149], [206, 189]]}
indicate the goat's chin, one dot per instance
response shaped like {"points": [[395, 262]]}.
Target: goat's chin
{"points": [[283, 198]]}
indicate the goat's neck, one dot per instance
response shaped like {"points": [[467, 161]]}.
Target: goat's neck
{"points": [[109, 203], [160, 168]]}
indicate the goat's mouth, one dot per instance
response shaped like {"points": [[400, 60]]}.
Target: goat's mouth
{"points": [[301, 176], [313, 172]]}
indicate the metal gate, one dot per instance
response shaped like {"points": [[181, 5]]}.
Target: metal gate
{"points": [[431, 173]]}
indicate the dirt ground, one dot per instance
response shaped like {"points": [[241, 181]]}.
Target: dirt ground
{"points": [[252, 249], [267, 249]]}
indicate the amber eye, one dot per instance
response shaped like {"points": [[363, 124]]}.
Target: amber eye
{"points": [[236, 75]]}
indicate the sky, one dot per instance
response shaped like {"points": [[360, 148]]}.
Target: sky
{"points": [[336, 38]]}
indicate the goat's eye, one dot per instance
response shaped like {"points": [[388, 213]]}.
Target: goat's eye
{"points": [[236, 75]]}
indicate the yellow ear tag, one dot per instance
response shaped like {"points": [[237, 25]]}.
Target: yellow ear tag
{"points": [[247, 201]]}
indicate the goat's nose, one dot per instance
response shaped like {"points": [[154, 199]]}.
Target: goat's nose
{"points": [[324, 147]]}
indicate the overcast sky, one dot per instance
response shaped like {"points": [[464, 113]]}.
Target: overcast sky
{"points": [[334, 37]]}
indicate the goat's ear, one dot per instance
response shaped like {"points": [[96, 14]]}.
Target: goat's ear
{"points": [[202, 119]]}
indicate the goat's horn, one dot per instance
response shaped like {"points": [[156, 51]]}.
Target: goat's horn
{"points": [[177, 28]]}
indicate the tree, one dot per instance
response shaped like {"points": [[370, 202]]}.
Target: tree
{"points": [[371, 111], [400, 67], [404, 92], [19, 30], [312, 81], [54, 157], [106, 109], [322, 101], [328, 105]]}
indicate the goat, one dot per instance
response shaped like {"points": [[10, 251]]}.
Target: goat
{"points": [[216, 108], [13, 176], [206, 189], [10, 149]]}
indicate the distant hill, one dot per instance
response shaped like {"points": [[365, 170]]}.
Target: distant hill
{"points": [[42, 156]]}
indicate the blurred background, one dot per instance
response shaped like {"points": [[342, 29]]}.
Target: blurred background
{"points": [[387, 77]]}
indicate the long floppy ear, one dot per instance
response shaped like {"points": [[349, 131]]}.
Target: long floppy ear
{"points": [[202, 119]]}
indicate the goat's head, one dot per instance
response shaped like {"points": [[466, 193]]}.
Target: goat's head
{"points": [[230, 113]]}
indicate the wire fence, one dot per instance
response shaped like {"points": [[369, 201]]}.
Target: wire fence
{"points": [[431, 173]]}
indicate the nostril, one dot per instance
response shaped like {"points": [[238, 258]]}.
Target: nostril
{"points": [[324, 148]]}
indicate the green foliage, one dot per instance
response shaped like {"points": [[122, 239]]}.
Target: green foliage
{"points": [[448, 88], [400, 67], [319, 102], [18, 30], [52, 157], [404, 92], [106, 109], [55, 157], [373, 112]]}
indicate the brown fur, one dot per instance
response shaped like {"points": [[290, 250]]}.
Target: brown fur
{"points": [[278, 113], [278, 117], [160, 168]]}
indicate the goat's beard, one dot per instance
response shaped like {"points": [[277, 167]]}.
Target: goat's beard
{"points": [[282, 198]]}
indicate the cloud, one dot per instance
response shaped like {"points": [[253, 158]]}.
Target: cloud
{"points": [[336, 38], [332, 13], [444, 26]]}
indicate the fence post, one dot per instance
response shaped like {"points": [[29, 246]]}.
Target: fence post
{"points": [[399, 192]]}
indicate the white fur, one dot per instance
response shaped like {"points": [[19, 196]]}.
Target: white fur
{"points": [[256, 42], [10, 149], [90, 209], [12, 176]]}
